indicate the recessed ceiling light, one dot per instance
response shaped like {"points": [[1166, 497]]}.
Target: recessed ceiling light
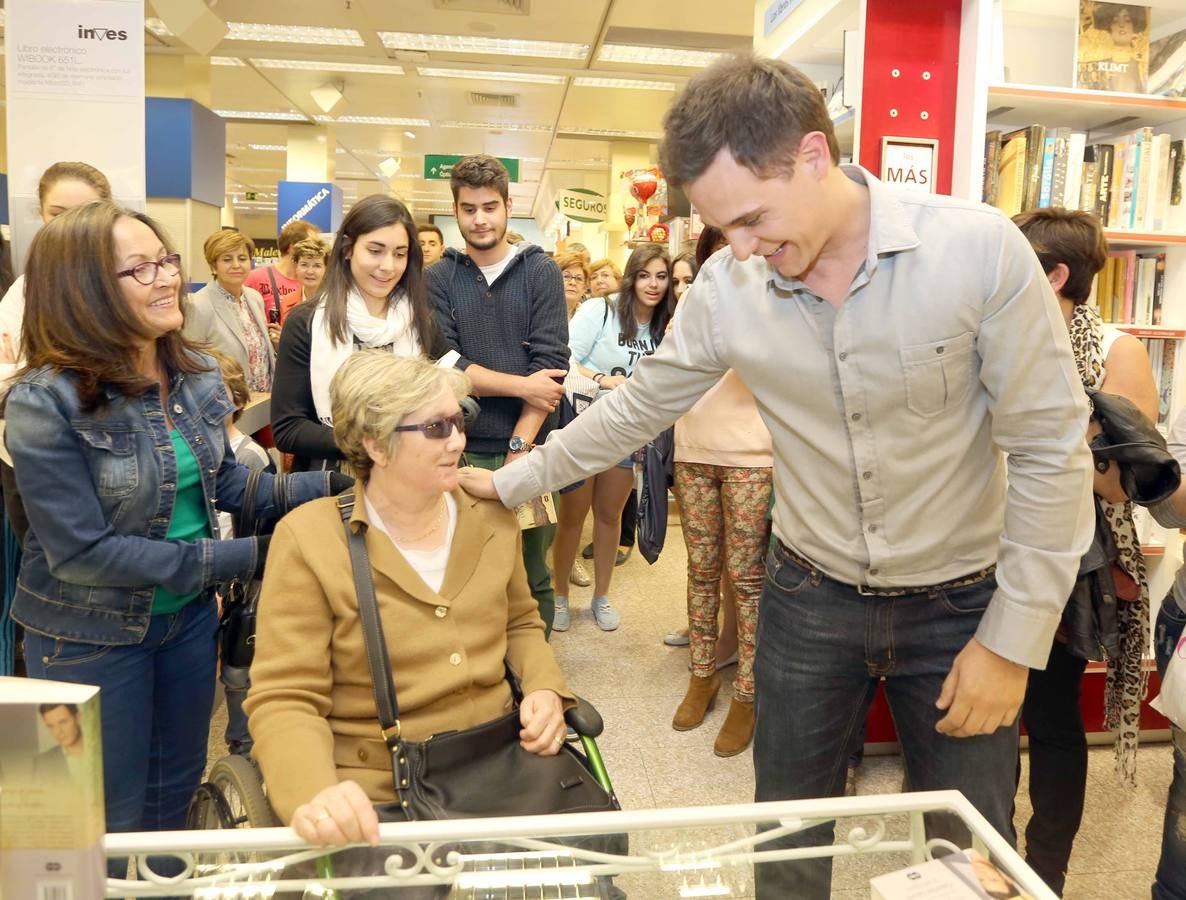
{"points": [[629, 83], [612, 132], [657, 56], [271, 148], [226, 61], [457, 43], [262, 114], [157, 26], [293, 34], [410, 135], [312, 65], [372, 120], [497, 126], [481, 75]]}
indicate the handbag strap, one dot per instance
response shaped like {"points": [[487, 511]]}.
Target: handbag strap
{"points": [[244, 521]]}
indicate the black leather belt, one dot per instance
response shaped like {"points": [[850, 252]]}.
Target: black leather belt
{"points": [[871, 591]]}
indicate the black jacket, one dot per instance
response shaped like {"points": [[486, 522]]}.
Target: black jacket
{"points": [[518, 325], [295, 426]]}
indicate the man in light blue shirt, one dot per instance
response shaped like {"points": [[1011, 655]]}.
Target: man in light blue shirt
{"points": [[899, 346]]}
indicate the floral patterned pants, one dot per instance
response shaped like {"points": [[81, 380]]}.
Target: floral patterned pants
{"points": [[723, 513]]}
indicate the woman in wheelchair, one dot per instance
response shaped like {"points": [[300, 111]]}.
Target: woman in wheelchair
{"points": [[453, 602]]}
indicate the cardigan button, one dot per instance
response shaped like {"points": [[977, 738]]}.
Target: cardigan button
{"points": [[441, 612], [362, 754], [455, 659]]}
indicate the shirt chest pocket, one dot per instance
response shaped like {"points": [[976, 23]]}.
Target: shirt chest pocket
{"points": [[938, 374], [112, 459]]}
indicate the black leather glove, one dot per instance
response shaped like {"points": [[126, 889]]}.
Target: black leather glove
{"points": [[261, 555], [339, 483]]}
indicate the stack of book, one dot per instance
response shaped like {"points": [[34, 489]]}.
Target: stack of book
{"points": [[1130, 289], [1132, 183], [1163, 357]]}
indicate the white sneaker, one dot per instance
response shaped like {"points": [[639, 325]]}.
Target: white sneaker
{"points": [[607, 617], [561, 620], [579, 576]]}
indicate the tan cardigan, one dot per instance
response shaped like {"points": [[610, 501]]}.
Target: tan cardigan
{"points": [[724, 429], [311, 711]]}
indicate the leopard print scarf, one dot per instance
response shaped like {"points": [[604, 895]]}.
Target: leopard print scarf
{"points": [[1127, 680]]}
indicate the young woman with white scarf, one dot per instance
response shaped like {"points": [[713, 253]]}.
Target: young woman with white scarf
{"points": [[373, 297]]}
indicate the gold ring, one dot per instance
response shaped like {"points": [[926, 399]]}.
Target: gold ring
{"points": [[321, 818], [559, 739]]}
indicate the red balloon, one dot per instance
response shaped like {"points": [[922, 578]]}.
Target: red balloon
{"points": [[643, 188]]}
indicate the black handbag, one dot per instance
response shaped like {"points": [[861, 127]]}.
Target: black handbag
{"points": [[651, 523], [240, 600], [1090, 618], [478, 772]]}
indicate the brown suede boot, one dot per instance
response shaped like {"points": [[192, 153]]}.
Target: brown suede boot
{"points": [[702, 694], [738, 729]]}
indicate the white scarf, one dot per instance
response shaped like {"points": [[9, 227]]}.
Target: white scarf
{"points": [[326, 356]]}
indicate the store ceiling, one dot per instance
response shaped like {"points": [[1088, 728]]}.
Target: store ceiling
{"points": [[562, 125]]}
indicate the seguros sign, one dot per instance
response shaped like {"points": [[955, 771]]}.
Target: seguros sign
{"points": [[583, 205]]}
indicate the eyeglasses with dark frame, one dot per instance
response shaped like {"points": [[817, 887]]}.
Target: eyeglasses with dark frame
{"points": [[146, 272], [438, 429], [574, 277]]}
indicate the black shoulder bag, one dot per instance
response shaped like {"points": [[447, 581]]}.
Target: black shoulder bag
{"points": [[479, 772], [240, 602]]}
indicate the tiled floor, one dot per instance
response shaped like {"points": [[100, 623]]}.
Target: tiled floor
{"points": [[636, 683]]}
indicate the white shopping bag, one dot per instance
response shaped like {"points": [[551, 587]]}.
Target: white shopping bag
{"points": [[1171, 702]]}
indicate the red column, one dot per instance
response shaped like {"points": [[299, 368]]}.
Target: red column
{"points": [[919, 41]]}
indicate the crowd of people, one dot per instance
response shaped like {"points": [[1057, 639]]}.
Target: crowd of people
{"points": [[838, 468]]}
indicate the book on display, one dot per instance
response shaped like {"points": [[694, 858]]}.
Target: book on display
{"points": [[51, 791], [957, 876]]}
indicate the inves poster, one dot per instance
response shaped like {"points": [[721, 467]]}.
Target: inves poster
{"points": [[1113, 47]]}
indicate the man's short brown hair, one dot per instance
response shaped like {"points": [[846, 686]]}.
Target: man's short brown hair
{"points": [[757, 109], [294, 232], [479, 171], [1067, 236]]}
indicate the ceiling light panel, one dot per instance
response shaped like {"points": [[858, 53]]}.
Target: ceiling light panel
{"points": [[157, 26], [372, 120], [268, 147], [497, 126], [311, 35], [312, 65], [524, 77], [226, 61], [657, 56], [635, 84], [262, 114], [612, 133], [456, 43]]}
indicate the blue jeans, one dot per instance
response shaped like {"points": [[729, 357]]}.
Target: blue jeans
{"points": [[1170, 883], [235, 682], [155, 702], [822, 647]]}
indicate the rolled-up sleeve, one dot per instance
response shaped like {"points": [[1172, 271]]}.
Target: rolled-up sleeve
{"points": [[1039, 418]]}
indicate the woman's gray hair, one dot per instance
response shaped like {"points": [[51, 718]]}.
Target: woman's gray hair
{"points": [[374, 391]]}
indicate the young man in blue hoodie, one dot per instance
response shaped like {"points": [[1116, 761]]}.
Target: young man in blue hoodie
{"points": [[501, 306]]}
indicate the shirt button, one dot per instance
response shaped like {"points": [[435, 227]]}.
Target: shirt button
{"points": [[856, 417], [455, 659], [939, 349], [441, 612], [177, 408], [873, 571], [866, 475], [843, 357]]}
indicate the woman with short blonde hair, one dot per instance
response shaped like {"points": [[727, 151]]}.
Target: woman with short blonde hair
{"points": [[228, 316], [312, 256], [604, 278]]}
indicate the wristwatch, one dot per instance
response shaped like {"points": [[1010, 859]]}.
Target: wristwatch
{"points": [[517, 444]]}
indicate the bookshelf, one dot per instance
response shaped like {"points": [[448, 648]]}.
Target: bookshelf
{"points": [[1023, 75]]}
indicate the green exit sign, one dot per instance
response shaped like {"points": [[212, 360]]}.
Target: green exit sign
{"points": [[249, 195], [439, 166]]}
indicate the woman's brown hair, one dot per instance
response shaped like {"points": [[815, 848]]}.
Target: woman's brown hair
{"points": [[627, 299], [73, 171], [76, 317]]}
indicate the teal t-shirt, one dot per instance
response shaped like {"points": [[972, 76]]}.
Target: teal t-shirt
{"points": [[189, 522], [596, 342]]}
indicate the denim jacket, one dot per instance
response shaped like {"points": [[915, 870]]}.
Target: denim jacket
{"points": [[99, 489]]}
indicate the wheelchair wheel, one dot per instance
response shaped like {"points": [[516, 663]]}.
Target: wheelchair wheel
{"points": [[232, 797]]}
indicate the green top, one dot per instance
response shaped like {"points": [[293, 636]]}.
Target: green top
{"points": [[189, 522]]}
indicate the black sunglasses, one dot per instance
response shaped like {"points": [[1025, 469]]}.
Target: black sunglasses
{"points": [[438, 429]]}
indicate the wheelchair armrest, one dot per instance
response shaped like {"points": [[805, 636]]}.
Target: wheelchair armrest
{"points": [[584, 719]]}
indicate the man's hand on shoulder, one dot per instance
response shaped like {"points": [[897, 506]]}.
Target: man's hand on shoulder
{"points": [[478, 482], [982, 692], [542, 390]]}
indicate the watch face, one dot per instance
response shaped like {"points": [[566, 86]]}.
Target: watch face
{"points": [[517, 444]]}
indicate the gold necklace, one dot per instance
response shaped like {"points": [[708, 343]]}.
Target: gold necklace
{"points": [[436, 523]]}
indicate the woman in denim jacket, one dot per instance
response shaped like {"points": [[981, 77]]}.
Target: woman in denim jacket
{"points": [[116, 434]]}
